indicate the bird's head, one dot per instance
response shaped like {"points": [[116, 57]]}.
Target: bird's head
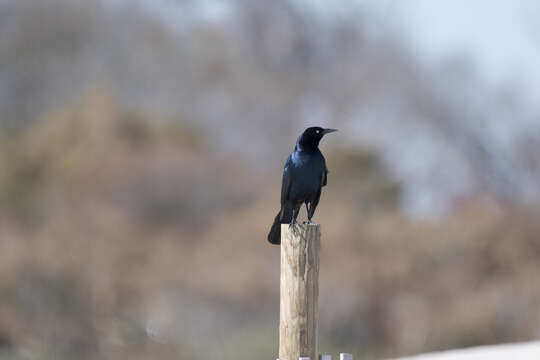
{"points": [[311, 136]]}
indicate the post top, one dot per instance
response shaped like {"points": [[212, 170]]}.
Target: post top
{"points": [[300, 232], [303, 225]]}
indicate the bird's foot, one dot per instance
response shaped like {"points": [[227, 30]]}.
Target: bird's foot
{"points": [[292, 225], [307, 222]]}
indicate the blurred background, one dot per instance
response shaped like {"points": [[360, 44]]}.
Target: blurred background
{"points": [[141, 150]]}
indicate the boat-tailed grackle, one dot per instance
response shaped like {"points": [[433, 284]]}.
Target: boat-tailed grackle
{"points": [[304, 175]]}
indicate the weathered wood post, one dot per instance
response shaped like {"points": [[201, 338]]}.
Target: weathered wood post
{"points": [[299, 291]]}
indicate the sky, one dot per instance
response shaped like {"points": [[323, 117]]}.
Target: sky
{"points": [[502, 37]]}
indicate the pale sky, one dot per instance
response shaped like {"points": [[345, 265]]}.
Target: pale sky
{"points": [[501, 36]]}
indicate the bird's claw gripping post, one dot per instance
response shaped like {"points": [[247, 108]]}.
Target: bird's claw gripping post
{"points": [[292, 225]]}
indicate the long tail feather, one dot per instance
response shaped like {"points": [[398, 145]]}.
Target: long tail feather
{"points": [[283, 217]]}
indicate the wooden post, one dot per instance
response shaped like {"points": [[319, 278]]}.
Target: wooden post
{"points": [[299, 291]]}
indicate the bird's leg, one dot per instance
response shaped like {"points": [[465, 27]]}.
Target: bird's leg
{"points": [[307, 212], [293, 222]]}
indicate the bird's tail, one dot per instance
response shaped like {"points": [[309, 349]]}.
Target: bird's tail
{"points": [[274, 236]]}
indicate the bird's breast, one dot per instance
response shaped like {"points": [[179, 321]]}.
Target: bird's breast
{"points": [[306, 171]]}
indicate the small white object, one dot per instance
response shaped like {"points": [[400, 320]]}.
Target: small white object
{"points": [[521, 351], [325, 357], [303, 358], [344, 356]]}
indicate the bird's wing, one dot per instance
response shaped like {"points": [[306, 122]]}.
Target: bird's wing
{"points": [[286, 181], [325, 173], [315, 200]]}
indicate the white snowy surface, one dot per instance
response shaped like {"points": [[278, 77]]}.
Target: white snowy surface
{"points": [[518, 351]]}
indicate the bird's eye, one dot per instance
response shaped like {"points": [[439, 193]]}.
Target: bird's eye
{"points": [[318, 131]]}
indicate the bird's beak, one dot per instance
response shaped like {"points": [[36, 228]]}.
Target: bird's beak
{"points": [[328, 131]]}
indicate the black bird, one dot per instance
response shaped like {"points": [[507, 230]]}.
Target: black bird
{"points": [[303, 177]]}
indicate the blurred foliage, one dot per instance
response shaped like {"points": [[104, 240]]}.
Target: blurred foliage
{"points": [[363, 181], [125, 238]]}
